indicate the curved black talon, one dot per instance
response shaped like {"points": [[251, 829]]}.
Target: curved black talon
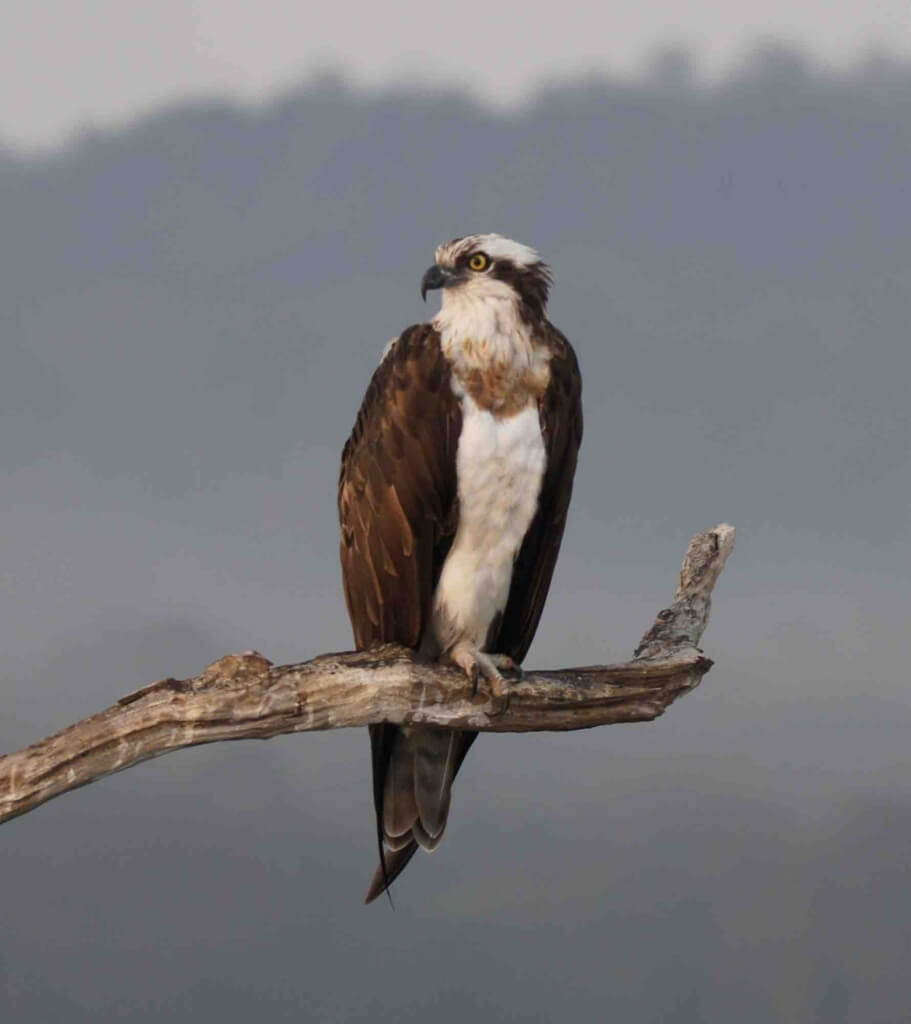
{"points": [[475, 679]]}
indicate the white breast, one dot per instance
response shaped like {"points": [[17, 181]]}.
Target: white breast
{"points": [[500, 465]]}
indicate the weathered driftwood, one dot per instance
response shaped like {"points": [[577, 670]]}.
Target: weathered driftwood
{"points": [[243, 696]]}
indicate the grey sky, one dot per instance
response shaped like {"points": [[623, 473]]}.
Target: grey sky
{"points": [[190, 311], [69, 66]]}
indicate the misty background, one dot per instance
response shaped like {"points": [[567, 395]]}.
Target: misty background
{"points": [[190, 310]]}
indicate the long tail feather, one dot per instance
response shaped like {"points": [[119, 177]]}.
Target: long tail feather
{"points": [[428, 781], [390, 867], [433, 765]]}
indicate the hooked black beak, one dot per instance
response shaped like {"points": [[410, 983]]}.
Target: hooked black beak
{"points": [[436, 277]]}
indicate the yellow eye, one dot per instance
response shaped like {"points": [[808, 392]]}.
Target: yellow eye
{"points": [[479, 261]]}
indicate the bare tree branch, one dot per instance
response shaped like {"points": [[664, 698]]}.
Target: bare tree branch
{"points": [[243, 696]]}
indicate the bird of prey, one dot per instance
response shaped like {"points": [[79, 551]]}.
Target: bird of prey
{"points": [[453, 494]]}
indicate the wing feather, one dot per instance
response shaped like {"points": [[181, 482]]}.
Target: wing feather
{"points": [[396, 490], [397, 497]]}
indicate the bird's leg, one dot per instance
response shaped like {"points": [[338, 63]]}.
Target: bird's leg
{"points": [[506, 664], [475, 664]]}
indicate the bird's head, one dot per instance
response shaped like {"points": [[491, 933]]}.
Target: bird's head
{"points": [[488, 268]]}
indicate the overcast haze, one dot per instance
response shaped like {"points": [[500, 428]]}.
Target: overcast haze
{"points": [[69, 67], [190, 311]]}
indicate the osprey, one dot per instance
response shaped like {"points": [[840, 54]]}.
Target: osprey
{"points": [[453, 493]]}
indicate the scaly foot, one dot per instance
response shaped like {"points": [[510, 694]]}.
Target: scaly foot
{"points": [[475, 664], [506, 664]]}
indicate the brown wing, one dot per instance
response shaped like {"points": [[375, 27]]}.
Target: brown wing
{"points": [[397, 501], [560, 411], [397, 492]]}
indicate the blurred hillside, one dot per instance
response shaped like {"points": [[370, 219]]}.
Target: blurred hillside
{"points": [[190, 310]]}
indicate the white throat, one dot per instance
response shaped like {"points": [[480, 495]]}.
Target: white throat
{"points": [[481, 323]]}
